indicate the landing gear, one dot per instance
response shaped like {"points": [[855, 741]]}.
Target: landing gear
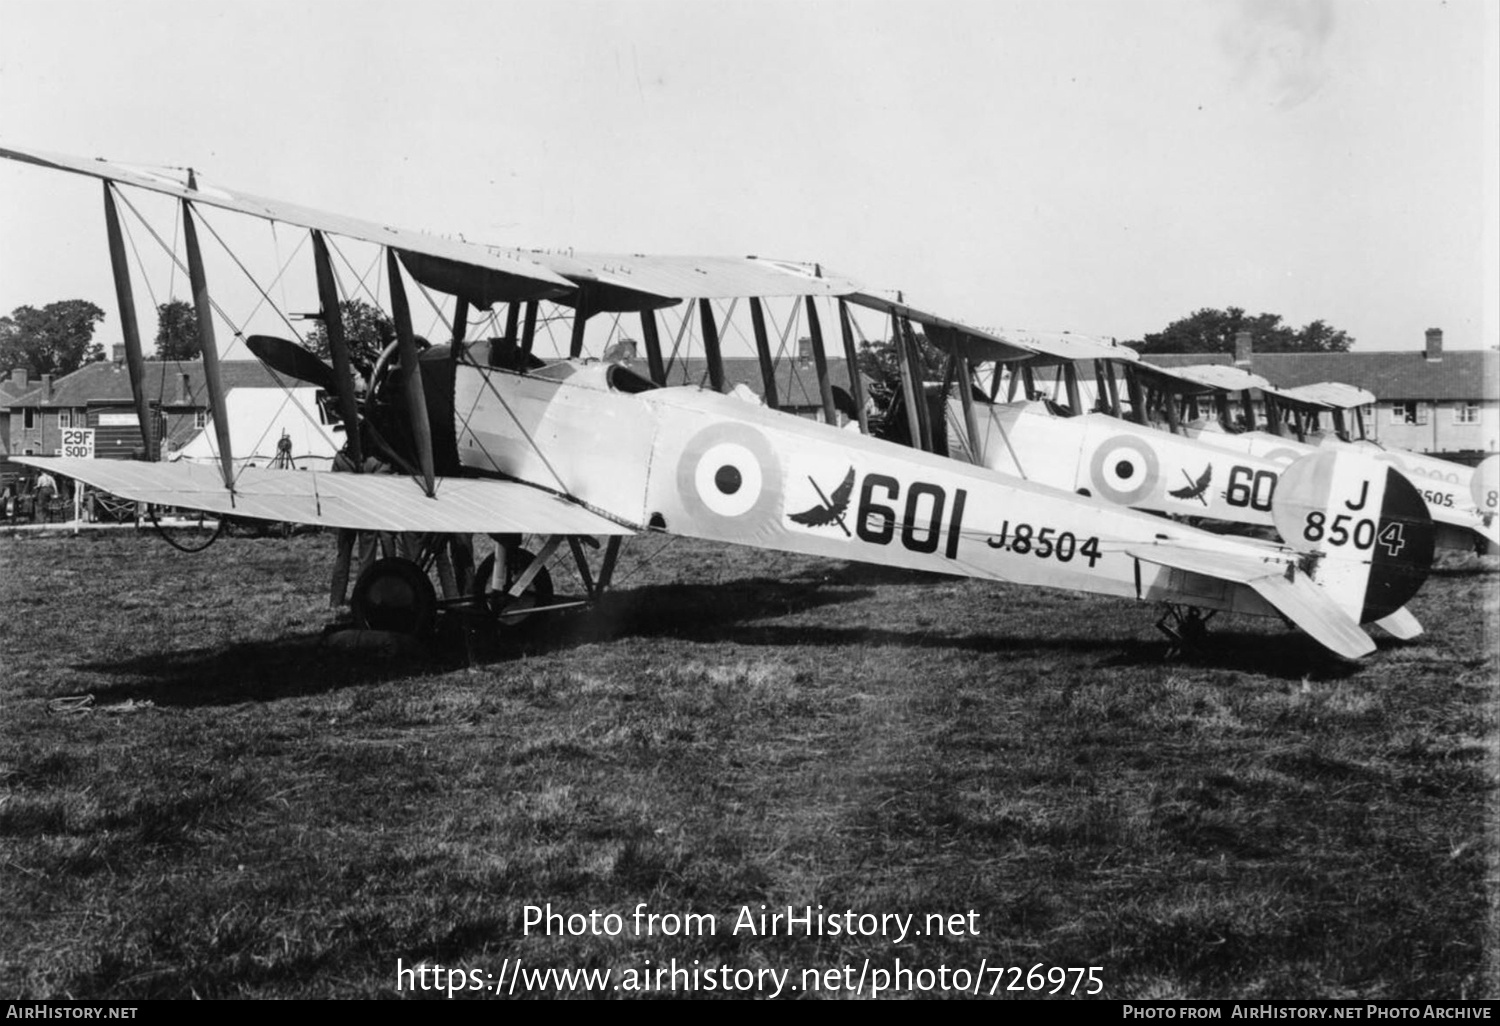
{"points": [[395, 594], [1186, 628], [435, 574], [511, 610]]}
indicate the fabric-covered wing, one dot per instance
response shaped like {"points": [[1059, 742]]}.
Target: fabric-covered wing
{"points": [[364, 502], [506, 274], [1300, 601]]}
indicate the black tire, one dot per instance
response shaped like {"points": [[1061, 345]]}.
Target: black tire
{"points": [[395, 594], [538, 592]]}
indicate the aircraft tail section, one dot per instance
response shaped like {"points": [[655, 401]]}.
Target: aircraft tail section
{"points": [[1364, 528], [1293, 595]]}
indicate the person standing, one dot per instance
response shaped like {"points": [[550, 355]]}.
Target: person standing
{"points": [[46, 491]]}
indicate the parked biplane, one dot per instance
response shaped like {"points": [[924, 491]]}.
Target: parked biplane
{"points": [[1184, 441], [1328, 417], [1102, 448], [487, 439]]}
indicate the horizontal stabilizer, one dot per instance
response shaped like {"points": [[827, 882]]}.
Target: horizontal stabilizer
{"points": [[363, 502], [1301, 600], [1401, 625]]}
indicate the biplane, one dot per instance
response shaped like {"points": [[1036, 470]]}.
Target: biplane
{"points": [[1106, 448], [1313, 418], [483, 437], [1183, 441]]}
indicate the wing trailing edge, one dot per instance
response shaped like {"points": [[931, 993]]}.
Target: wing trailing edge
{"points": [[1300, 600], [363, 502]]}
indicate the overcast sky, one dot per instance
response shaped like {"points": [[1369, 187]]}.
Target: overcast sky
{"points": [[1102, 166]]}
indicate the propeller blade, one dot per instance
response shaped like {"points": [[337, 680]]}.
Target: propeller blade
{"points": [[293, 360]]}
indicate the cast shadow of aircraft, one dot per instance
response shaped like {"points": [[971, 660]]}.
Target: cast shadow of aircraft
{"points": [[310, 662]]}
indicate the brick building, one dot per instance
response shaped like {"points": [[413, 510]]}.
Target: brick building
{"points": [[34, 414]]}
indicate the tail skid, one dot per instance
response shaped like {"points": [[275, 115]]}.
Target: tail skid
{"points": [[1296, 597]]}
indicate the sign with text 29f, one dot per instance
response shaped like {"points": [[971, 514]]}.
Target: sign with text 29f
{"points": [[78, 443]]}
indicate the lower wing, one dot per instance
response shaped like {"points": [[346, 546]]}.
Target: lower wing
{"points": [[362, 502], [1300, 601]]}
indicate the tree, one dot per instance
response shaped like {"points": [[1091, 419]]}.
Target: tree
{"points": [[367, 330], [1213, 331], [177, 331], [53, 340]]}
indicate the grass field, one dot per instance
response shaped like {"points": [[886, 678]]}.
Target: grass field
{"points": [[243, 811]]}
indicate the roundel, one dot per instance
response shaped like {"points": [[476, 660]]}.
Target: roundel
{"points": [[728, 473], [1124, 469]]}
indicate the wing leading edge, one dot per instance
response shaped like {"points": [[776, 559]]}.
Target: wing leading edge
{"points": [[1300, 600], [363, 502]]}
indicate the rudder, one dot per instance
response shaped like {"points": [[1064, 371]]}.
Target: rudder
{"points": [[1367, 524]]}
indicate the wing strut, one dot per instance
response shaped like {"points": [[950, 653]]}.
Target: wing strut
{"points": [[966, 396], [763, 353], [851, 357], [653, 346], [528, 333], [820, 363], [135, 359], [411, 373], [711, 345], [204, 308], [333, 324]]}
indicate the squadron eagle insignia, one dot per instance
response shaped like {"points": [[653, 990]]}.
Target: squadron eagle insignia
{"points": [[831, 510]]}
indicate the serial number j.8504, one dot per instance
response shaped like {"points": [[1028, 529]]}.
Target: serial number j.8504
{"points": [[1046, 543]]}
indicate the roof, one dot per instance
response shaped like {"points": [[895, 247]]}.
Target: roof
{"points": [[10, 389], [102, 381], [1468, 374]]}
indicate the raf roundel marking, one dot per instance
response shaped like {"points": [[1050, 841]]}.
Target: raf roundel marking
{"points": [[1124, 470], [728, 473]]}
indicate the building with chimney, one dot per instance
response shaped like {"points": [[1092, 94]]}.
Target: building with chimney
{"points": [[33, 415], [1446, 403]]}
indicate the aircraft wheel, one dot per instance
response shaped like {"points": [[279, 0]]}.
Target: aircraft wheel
{"points": [[394, 594], [537, 593]]}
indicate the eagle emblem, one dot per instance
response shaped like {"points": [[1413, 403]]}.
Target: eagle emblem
{"points": [[831, 510], [1195, 489]]}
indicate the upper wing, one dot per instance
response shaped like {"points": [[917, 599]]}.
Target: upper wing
{"points": [[1300, 600], [485, 274], [507, 272], [363, 502]]}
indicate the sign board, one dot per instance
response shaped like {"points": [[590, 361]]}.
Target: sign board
{"points": [[78, 443]]}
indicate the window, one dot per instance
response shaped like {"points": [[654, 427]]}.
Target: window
{"points": [[200, 418], [1466, 413], [1408, 413], [64, 419], [30, 419]]}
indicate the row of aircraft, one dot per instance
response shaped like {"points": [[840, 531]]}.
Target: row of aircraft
{"points": [[1189, 441], [486, 438]]}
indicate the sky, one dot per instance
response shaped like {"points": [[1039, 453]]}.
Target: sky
{"points": [[1098, 166]]}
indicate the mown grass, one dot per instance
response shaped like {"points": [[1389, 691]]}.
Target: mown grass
{"points": [[244, 811]]}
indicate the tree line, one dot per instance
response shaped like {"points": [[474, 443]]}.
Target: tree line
{"points": [[58, 338]]}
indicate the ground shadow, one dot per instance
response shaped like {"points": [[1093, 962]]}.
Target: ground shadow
{"points": [[742, 612]]}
